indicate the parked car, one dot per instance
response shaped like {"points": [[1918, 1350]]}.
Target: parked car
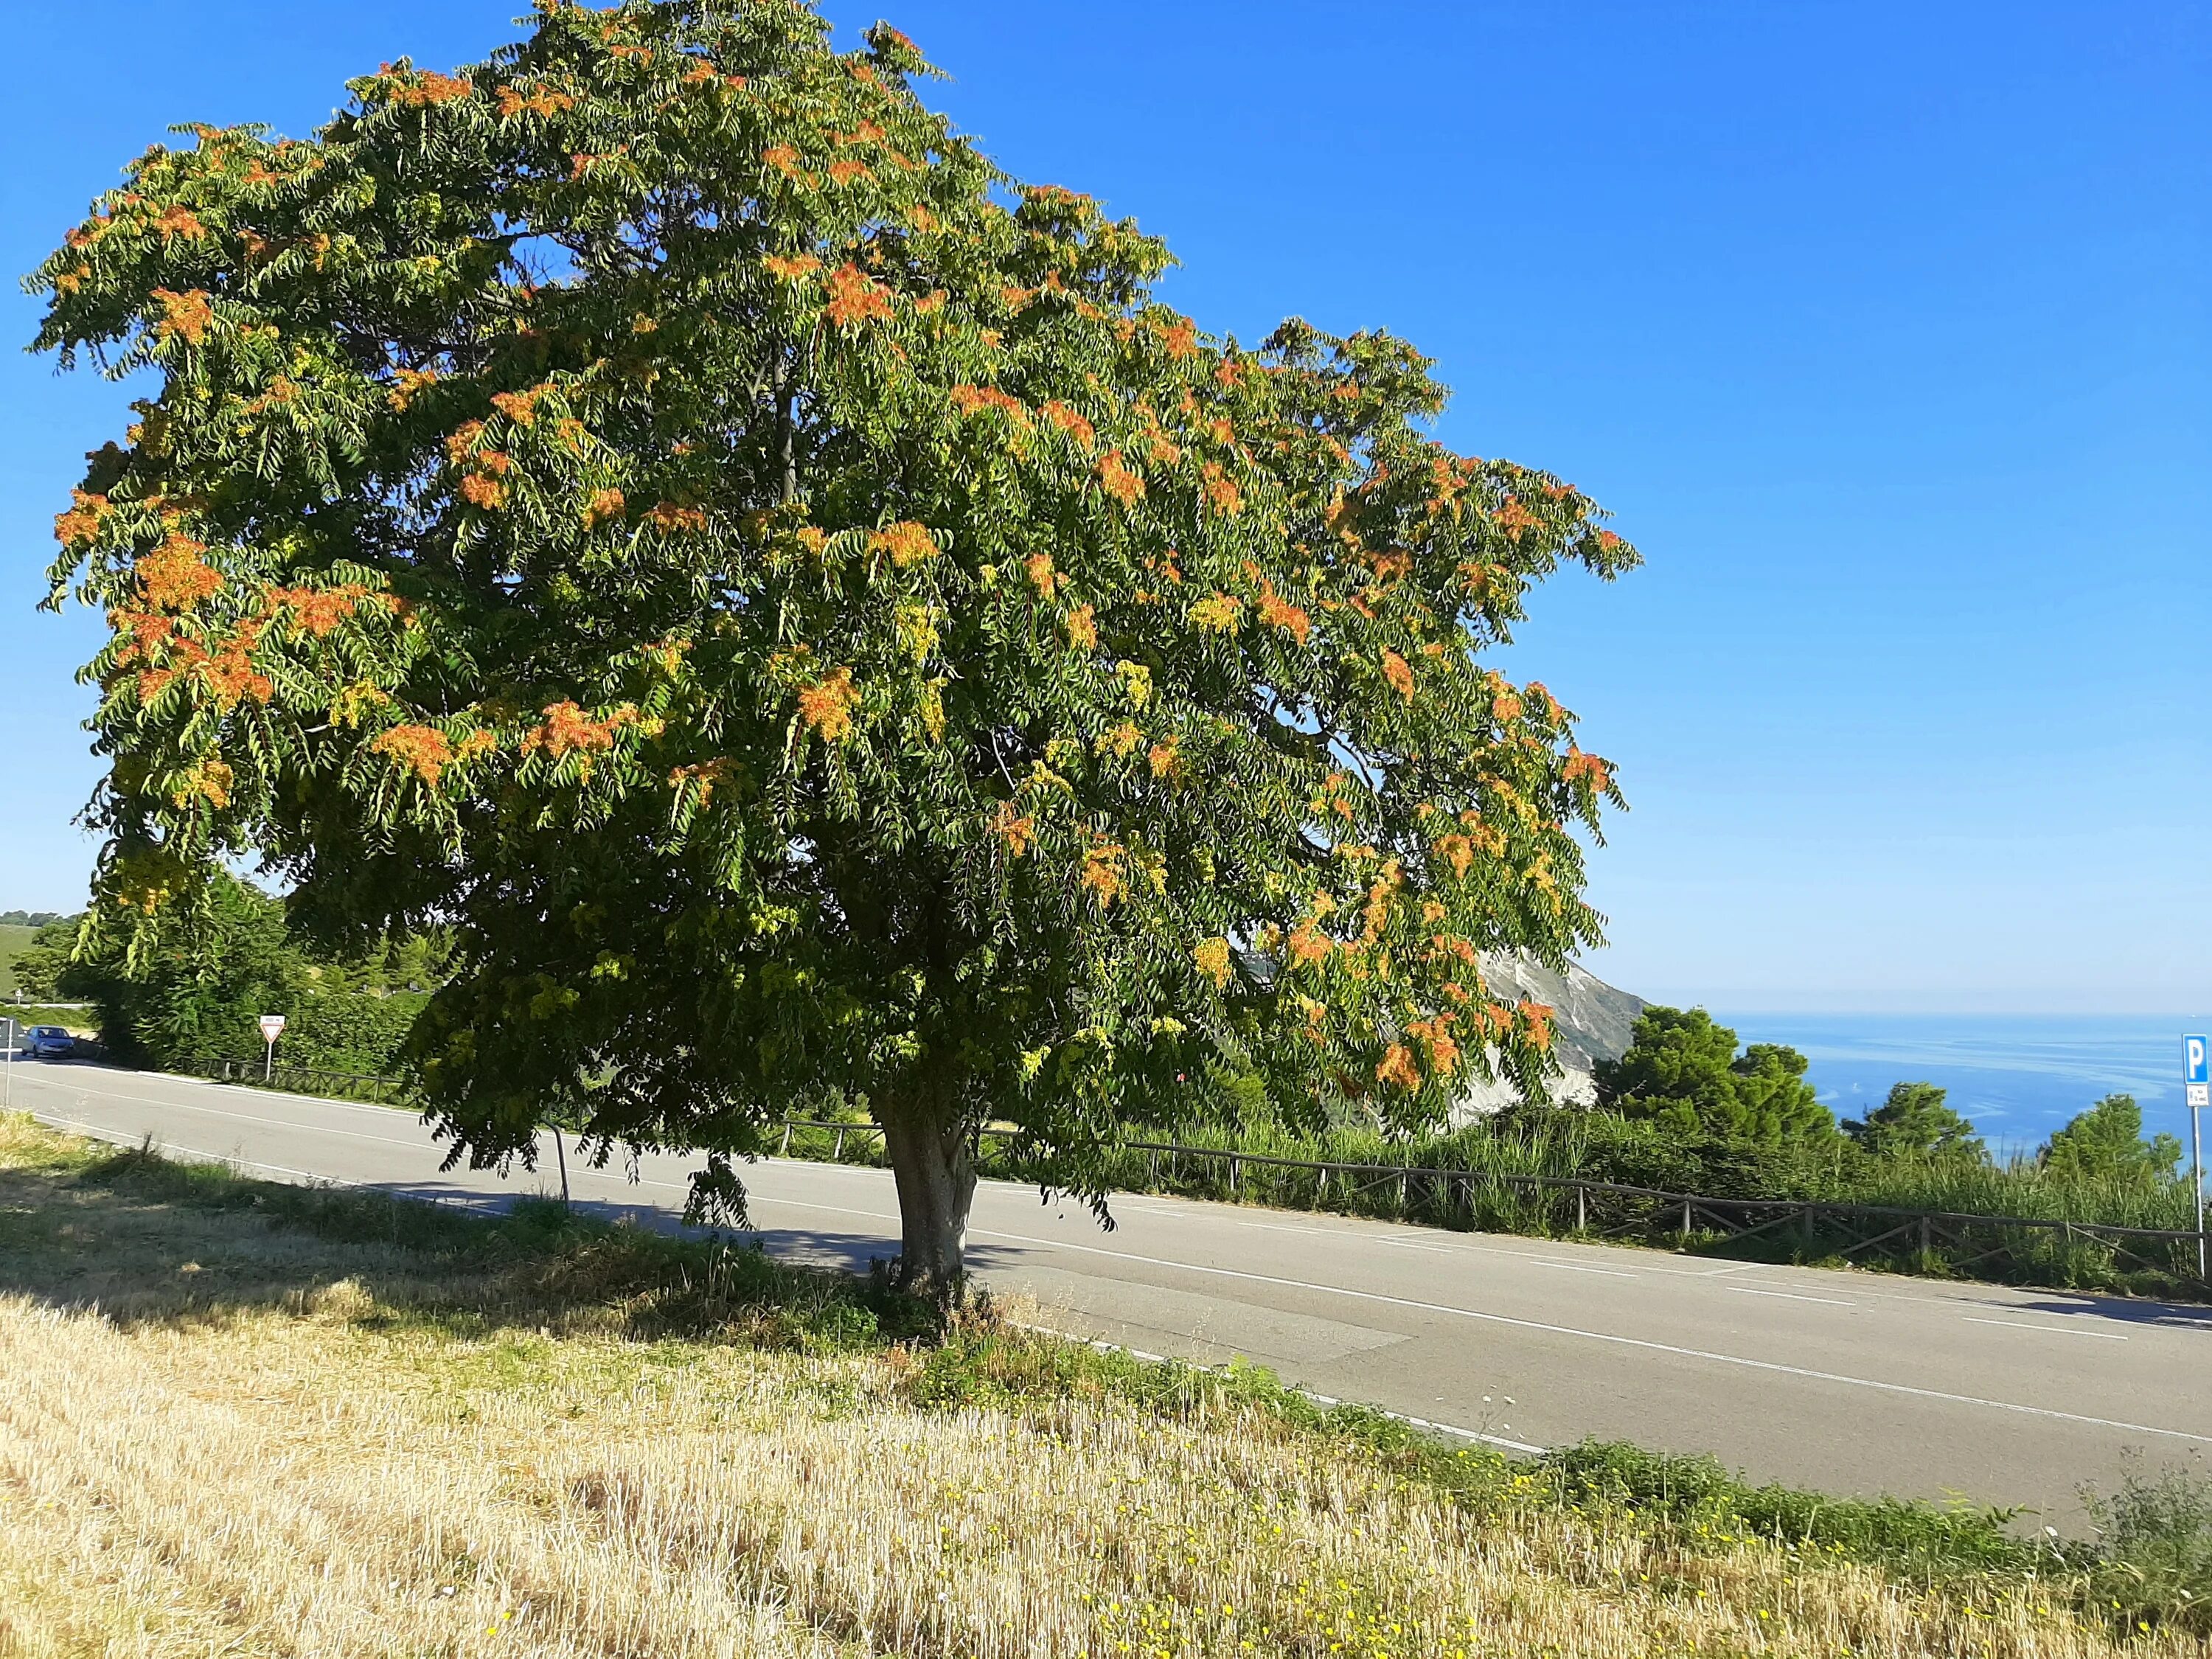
{"points": [[47, 1042]]}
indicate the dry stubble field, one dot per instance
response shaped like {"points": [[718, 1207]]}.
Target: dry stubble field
{"points": [[235, 1421]]}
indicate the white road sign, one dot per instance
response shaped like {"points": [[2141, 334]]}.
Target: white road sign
{"points": [[272, 1026]]}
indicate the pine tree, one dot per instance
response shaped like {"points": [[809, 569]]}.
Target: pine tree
{"points": [[2107, 1139], [1681, 1068], [1914, 1122]]}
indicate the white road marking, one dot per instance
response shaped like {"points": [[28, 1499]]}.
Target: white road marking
{"points": [[1610, 1338], [1429, 1249], [1775, 1366], [1962, 1297], [264, 1121], [2048, 1330], [1158, 1206], [1573, 1266], [233, 1160], [1789, 1296], [187, 1080], [1154, 1207]]}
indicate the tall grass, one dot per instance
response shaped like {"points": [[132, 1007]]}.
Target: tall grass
{"points": [[2020, 1187]]}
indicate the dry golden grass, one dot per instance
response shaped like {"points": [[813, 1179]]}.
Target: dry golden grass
{"points": [[266, 1441]]}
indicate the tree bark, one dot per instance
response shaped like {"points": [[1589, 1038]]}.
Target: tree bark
{"points": [[936, 1182]]}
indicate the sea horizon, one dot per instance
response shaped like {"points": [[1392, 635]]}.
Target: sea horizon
{"points": [[2017, 1075]]}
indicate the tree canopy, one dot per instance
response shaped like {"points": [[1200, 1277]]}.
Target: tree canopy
{"points": [[2107, 1139], [1681, 1068], [1914, 1122], [806, 615]]}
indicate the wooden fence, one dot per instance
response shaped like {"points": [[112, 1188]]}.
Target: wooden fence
{"points": [[1982, 1246], [1465, 1198]]}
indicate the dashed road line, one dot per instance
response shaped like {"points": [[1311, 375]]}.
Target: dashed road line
{"points": [[2048, 1330], [1771, 1365], [1789, 1296]]}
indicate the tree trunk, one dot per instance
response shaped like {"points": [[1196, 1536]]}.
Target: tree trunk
{"points": [[936, 1183]]}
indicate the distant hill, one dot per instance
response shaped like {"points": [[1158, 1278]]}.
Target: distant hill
{"points": [[18, 929], [1594, 1021]]}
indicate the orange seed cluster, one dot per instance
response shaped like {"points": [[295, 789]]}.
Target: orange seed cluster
{"points": [[1124, 485], [908, 542], [422, 750], [827, 705], [173, 576], [187, 315], [855, 297]]}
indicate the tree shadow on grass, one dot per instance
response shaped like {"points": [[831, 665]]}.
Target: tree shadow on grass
{"points": [[141, 1240]]}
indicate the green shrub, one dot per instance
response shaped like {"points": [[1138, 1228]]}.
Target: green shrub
{"points": [[1914, 1123], [2107, 1139], [1925, 1541], [2156, 1564]]}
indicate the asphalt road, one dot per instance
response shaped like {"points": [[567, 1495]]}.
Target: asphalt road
{"points": [[1849, 1382]]}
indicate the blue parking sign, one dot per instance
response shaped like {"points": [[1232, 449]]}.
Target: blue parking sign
{"points": [[2198, 1057]]}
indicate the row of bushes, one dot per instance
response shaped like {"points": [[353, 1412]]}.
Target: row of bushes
{"points": [[201, 990]]}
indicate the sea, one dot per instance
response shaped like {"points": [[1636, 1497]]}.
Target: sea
{"points": [[2017, 1075]]}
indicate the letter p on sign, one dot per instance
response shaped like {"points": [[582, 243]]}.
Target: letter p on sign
{"points": [[2196, 1055]]}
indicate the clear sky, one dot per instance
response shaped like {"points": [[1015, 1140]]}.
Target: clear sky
{"points": [[1885, 329]]}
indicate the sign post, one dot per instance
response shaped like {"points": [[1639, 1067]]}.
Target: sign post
{"points": [[11, 1034], [2196, 1072], [272, 1027]]}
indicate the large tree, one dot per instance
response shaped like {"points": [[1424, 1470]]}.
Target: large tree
{"points": [[661, 502]]}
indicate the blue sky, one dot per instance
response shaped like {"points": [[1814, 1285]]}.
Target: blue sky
{"points": [[1885, 329]]}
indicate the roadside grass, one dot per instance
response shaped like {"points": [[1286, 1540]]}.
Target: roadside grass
{"points": [[248, 1418]]}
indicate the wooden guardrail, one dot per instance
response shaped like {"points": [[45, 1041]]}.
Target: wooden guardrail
{"points": [[302, 1079], [1456, 1193], [1479, 1198]]}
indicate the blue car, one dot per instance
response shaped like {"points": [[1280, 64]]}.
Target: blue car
{"points": [[47, 1042]]}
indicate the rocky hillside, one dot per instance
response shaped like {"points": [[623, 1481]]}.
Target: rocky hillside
{"points": [[1594, 1021]]}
